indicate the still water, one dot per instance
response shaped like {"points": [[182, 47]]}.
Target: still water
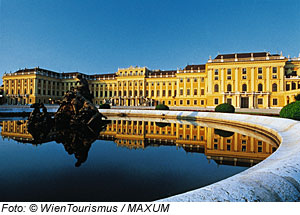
{"points": [[131, 160]]}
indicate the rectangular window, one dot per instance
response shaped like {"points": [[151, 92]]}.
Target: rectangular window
{"points": [[215, 146], [216, 78], [260, 101], [259, 77], [157, 93], [195, 92], [202, 91], [195, 79], [195, 102], [228, 71], [244, 77], [228, 77], [181, 80], [229, 101], [275, 102], [259, 71], [187, 102], [216, 101], [244, 71], [274, 69], [243, 148], [188, 92], [181, 102], [169, 93], [181, 92], [274, 76], [202, 102], [188, 80], [228, 140], [216, 72], [228, 147], [259, 143], [259, 149]]}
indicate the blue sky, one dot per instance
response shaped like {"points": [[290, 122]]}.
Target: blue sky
{"points": [[95, 36]]}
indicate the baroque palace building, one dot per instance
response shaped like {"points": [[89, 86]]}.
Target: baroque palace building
{"points": [[245, 80]]}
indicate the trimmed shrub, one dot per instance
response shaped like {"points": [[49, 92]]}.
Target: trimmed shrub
{"points": [[104, 106], [291, 111], [223, 133], [161, 107], [297, 97], [225, 108], [162, 124]]}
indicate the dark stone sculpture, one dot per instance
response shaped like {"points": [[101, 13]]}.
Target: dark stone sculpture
{"points": [[76, 124]]}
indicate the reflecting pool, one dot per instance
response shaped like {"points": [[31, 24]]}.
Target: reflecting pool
{"points": [[132, 159]]}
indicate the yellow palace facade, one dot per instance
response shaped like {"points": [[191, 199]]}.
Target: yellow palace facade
{"points": [[246, 80], [235, 149]]}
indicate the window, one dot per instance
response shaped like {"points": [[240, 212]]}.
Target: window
{"points": [[260, 88], [244, 71], [229, 88], [216, 88], [228, 71], [229, 101], [275, 102], [259, 143], [195, 92], [195, 102], [259, 149], [157, 93], [259, 71], [228, 140], [243, 148], [244, 77], [164, 93], [228, 77], [260, 101], [169, 93], [188, 102], [216, 101], [215, 146], [259, 77], [202, 102], [181, 80], [274, 87], [216, 78], [188, 92], [274, 69], [228, 147], [181, 92], [195, 79], [216, 72], [188, 80], [202, 91], [274, 76], [244, 87], [181, 102]]}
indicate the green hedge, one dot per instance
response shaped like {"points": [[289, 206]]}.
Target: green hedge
{"points": [[225, 108], [223, 133], [291, 111], [104, 106], [297, 97], [161, 107]]}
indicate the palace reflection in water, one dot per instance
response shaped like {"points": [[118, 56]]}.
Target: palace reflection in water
{"points": [[224, 147]]}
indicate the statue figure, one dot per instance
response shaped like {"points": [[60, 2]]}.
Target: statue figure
{"points": [[76, 124]]}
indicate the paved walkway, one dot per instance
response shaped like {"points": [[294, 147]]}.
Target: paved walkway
{"points": [[238, 110], [53, 108]]}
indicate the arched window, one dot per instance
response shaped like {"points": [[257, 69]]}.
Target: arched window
{"points": [[274, 87], [244, 88], [229, 88], [216, 88], [260, 88]]}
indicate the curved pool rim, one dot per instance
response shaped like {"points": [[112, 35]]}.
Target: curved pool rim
{"points": [[277, 178]]}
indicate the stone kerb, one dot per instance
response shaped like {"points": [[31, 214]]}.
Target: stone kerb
{"points": [[277, 178]]}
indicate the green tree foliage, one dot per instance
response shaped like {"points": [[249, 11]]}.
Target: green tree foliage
{"points": [[104, 106], [161, 107], [297, 97], [291, 111], [225, 108]]}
